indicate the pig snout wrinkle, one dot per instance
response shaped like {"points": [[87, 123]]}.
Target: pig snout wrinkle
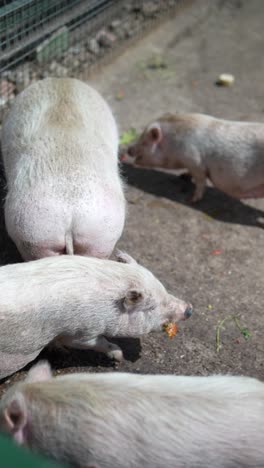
{"points": [[188, 312]]}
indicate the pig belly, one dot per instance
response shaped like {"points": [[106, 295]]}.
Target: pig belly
{"points": [[11, 363], [257, 192], [240, 193], [244, 187]]}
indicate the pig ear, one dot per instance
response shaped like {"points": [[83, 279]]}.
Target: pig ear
{"points": [[155, 133], [39, 373], [123, 257], [15, 418], [133, 298]]}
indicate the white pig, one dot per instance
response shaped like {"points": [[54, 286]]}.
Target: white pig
{"points": [[117, 420], [59, 145], [230, 154], [79, 301]]}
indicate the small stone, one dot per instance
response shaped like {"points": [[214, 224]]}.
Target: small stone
{"points": [[115, 25], [8, 74], [22, 78], [129, 33], [45, 74], [68, 59], [149, 9], [134, 5], [105, 39], [4, 99], [75, 63], [93, 46], [121, 34], [6, 92], [34, 76], [57, 69], [21, 75], [128, 6], [75, 50], [6, 88], [88, 57], [53, 66], [127, 27]]}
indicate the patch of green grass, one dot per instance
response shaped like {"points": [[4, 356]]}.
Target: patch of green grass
{"points": [[156, 64], [243, 330], [128, 136]]}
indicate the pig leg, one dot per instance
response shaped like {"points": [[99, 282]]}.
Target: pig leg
{"points": [[200, 185], [99, 344]]}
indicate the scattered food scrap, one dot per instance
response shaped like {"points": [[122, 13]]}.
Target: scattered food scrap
{"points": [[216, 252], [225, 79], [120, 95], [171, 329]]}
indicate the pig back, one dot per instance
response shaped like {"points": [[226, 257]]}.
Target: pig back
{"points": [[157, 420], [52, 115], [60, 155]]}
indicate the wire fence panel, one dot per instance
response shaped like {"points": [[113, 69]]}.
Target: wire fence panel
{"points": [[40, 38]]}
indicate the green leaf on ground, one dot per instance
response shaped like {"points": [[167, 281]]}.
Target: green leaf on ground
{"points": [[128, 136], [243, 330]]}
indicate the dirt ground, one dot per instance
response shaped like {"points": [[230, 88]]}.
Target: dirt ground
{"points": [[171, 237]]}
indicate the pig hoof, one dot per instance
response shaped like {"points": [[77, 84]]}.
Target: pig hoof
{"points": [[194, 199], [116, 354]]}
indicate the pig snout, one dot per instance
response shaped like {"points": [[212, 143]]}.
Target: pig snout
{"points": [[188, 311], [127, 156], [131, 151], [180, 310]]}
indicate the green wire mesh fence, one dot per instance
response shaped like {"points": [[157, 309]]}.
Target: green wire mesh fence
{"points": [[40, 38]]}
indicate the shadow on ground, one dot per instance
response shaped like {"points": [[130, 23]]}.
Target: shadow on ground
{"points": [[62, 358], [8, 250], [215, 204]]}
